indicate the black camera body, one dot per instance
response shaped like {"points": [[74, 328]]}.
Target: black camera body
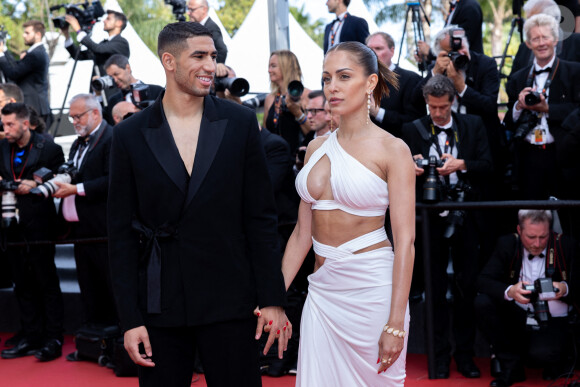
{"points": [[533, 98], [140, 95], [66, 173], [455, 219], [541, 290], [459, 60], [87, 16], [432, 185], [179, 9], [102, 83], [256, 102], [237, 86], [528, 121], [9, 210], [295, 90]]}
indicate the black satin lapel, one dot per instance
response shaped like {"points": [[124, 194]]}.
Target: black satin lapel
{"points": [[160, 141], [210, 138], [5, 149], [34, 154]]}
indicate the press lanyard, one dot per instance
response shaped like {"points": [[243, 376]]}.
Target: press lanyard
{"points": [[333, 31], [23, 165]]}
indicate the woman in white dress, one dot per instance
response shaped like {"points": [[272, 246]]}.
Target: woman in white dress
{"points": [[356, 317]]}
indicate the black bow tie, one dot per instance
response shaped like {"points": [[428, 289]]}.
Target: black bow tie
{"points": [[546, 70], [449, 131], [532, 256], [84, 139]]}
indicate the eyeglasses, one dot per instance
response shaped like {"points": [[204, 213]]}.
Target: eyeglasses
{"points": [[314, 111], [77, 117], [192, 10]]}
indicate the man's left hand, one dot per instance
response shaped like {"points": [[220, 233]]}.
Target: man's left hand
{"points": [[74, 23], [541, 107], [456, 77], [64, 190], [221, 70], [273, 320], [451, 165], [562, 289], [25, 187]]}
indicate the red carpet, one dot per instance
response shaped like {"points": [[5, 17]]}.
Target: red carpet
{"points": [[27, 371]]}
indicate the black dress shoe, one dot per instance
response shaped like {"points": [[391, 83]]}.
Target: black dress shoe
{"points": [[442, 370], [51, 350], [499, 383], [14, 340], [24, 347], [468, 369]]}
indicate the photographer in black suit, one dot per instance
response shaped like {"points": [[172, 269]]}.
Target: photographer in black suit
{"points": [[505, 307], [198, 11], [345, 27], [461, 141], [398, 108], [31, 72], [114, 24], [84, 207], [36, 283]]}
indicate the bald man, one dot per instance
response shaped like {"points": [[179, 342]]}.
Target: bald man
{"points": [[121, 109]]}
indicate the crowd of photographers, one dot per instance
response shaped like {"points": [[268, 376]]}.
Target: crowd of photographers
{"points": [[464, 151]]}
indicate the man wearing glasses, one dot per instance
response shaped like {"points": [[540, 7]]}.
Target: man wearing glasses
{"points": [[84, 207], [36, 283], [198, 12], [319, 125]]}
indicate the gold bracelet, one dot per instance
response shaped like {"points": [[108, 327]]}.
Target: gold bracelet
{"points": [[393, 331]]}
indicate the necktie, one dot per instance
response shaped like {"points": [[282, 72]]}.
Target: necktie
{"points": [[546, 70], [532, 256]]}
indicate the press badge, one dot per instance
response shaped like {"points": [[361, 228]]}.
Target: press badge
{"points": [[539, 135]]}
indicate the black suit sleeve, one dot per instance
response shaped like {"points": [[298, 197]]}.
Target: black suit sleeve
{"points": [[18, 70], [113, 46], [483, 101], [481, 163], [493, 279], [123, 243], [218, 40], [279, 160], [97, 189]]}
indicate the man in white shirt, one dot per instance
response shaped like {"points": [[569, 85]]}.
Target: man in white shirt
{"points": [[345, 27], [505, 307]]}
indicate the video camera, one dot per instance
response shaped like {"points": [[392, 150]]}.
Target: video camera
{"points": [[459, 60], [87, 15], [44, 177], [179, 8], [432, 184], [237, 86], [542, 290], [9, 210]]}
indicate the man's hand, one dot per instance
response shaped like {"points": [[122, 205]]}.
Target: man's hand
{"points": [[521, 104], [133, 337], [74, 23], [456, 77], [418, 171], [517, 292], [273, 320], [562, 289], [441, 63], [451, 165], [64, 190], [422, 48], [221, 70], [25, 187], [2, 46], [293, 107]]}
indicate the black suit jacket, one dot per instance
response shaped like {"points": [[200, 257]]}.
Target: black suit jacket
{"points": [[280, 163], [94, 174], [154, 92], [218, 40], [468, 15], [473, 147], [100, 52], [221, 256], [568, 49], [399, 106], [31, 75], [37, 214], [353, 29], [504, 266]]}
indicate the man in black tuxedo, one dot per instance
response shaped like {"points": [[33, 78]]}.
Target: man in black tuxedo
{"points": [[36, 283], [345, 27], [198, 11], [113, 24], [84, 207], [118, 68], [398, 108], [504, 310], [192, 227], [461, 141], [31, 72], [467, 14]]}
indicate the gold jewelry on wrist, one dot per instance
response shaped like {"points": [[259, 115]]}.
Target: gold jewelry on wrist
{"points": [[395, 332]]}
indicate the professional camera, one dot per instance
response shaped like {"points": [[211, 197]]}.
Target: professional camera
{"points": [[179, 8], [529, 120], [542, 290], [432, 184], [295, 90], [455, 218], [9, 210], [65, 174], [533, 98], [459, 60], [3, 34], [237, 86], [102, 83], [140, 95], [87, 15], [255, 102]]}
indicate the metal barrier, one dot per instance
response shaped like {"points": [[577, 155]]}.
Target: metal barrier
{"points": [[423, 211]]}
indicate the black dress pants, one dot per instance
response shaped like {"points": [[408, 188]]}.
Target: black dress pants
{"points": [[228, 352], [37, 291]]}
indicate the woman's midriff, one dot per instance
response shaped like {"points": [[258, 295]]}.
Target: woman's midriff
{"points": [[335, 227]]}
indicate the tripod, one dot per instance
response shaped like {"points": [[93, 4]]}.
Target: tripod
{"points": [[416, 10], [516, 21], [58, 121]]}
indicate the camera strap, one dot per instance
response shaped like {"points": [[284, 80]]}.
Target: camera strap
{"points": [[23, 164], [532, 76]]}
